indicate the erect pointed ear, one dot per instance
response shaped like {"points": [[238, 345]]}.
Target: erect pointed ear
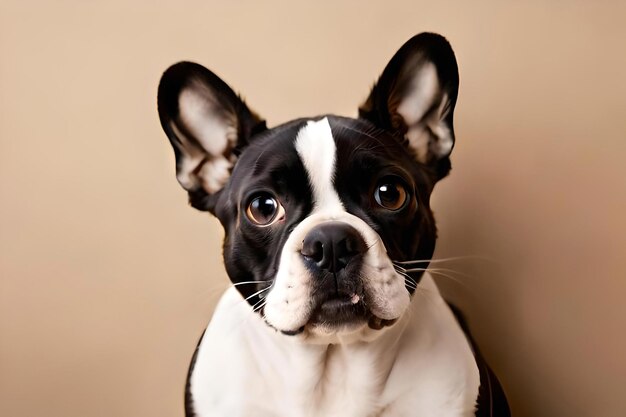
{"points": [[415, 97], [207, 124]]}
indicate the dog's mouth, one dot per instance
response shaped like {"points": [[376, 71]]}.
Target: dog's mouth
{"points": [[339, 309], [343, 311]]}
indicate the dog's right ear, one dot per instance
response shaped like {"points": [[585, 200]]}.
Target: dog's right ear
{"points": [[414, 98], [208, 125]]}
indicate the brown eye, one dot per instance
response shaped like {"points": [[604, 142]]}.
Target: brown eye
{"points": [[391, 194], [264, 210]]}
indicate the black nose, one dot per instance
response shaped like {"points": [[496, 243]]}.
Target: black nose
{"points": [[332, 245]]}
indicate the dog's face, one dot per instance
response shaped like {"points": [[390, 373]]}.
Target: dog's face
{"points": [[321, 214]]}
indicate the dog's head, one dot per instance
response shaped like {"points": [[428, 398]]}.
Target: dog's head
{"points": [[321, 215]]}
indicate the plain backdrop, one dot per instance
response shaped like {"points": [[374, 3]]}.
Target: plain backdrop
{"points": [[108, 277]]}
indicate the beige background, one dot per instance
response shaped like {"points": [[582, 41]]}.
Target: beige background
{"points": [[108, 278]]}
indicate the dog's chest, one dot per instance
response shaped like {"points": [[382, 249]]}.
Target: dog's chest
{"points": [[339, 381]]}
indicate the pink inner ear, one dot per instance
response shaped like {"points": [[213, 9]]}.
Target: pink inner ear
{"points": [[205, 159], [205, 120], [422, 109], [415, 97], [422, 93], [199, 113]]}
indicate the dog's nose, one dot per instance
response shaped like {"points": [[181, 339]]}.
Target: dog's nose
{"points": [[332, 245]]}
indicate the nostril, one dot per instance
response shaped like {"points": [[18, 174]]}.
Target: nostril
{"points": [[313, 250], [343, 248], [352, 246], [318, 249]]}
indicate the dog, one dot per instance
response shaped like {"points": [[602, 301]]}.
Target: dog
{"points": [[328, 237]]}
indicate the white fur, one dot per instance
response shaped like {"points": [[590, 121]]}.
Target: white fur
{"points": [[425, 91], [316, 147], [421, 366]]}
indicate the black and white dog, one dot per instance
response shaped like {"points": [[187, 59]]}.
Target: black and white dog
{"points": [[328, 236]]}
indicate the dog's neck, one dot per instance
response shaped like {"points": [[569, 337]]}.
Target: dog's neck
{"points": [[320, 371]]}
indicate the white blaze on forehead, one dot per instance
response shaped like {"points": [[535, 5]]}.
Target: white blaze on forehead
{"points": [[316, 147]]}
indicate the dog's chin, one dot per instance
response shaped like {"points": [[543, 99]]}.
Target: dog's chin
{"points": [[340, 316]]}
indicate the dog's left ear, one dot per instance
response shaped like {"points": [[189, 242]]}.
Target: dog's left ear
{"points": [[414, 98], [208, 125]]}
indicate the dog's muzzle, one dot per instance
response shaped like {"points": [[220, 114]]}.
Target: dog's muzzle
{"points": [[333, 252]]}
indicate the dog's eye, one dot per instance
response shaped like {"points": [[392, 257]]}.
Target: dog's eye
{"points": [[391, 194], [264, 210]]}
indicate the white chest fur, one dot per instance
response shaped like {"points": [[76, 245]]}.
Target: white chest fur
{"points": [[421, 366]]}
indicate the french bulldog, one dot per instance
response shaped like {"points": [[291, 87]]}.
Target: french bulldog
{"points": [[328, 238]]}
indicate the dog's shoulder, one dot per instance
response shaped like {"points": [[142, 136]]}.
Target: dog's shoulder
{"points": [[491, 400]]}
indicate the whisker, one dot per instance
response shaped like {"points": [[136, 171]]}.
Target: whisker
{"points": [[455, 279], [408, 280], [452, 258], [258, 292], [406, 276], [418, 269], [410, 285], [405, 272], [452, 271], [438, 271], [402, 272], [249, 282], [416, 261], [255, 309], [257, 303]]}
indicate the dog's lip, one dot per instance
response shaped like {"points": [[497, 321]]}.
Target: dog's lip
{"points": [[342, 309], [339, 309], [352, 306], [339, 301]]}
